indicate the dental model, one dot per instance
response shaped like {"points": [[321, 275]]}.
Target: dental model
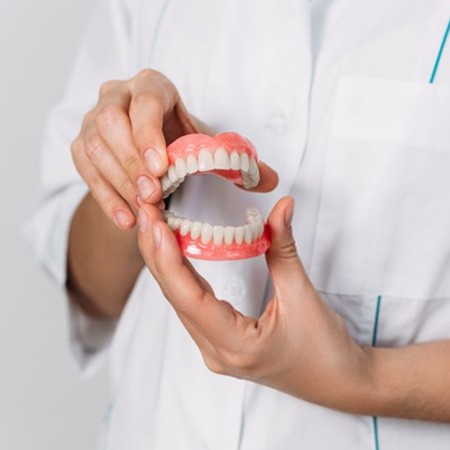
{"points": [[234, 158]]}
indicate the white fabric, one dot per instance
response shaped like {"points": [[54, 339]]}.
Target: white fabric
{"points": [[336, 97]]}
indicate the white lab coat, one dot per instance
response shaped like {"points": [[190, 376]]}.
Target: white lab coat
{"points": [[336, 95]]}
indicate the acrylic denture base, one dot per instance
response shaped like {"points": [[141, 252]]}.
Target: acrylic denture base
{"points": [[234, 158]]}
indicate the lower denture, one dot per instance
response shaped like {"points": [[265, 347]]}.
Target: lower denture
{"points": [[234, 158]]}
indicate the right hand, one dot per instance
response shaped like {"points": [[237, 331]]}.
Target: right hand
{"points": [[120, 151]]}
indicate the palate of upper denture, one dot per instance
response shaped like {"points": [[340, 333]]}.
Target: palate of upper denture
{"points": [[229, 156]]}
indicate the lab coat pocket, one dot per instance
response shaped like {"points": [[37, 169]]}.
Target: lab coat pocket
{"points": [[385, 208]]}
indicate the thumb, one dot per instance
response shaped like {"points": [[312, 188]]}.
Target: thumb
{"points": [[282, 258]]}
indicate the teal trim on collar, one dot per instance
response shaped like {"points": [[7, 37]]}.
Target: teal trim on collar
{"points": [[439, 55]]}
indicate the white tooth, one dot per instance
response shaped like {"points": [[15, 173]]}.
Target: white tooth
{"points": [[218, 232], [180, 165], [235, 161], [185, 227], [174, 222], [228, 235], [173, 177], [221, 159], [207, 232], [165, 183], [254, 172], [244, 162], [196, 229], [167, 214], [239, 235], [254, 228], [253, 215], [205, 160], [191, 164], [247, 234], [261, 229]]}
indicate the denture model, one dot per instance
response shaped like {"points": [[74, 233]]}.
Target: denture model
{"points": [[229, 156]]}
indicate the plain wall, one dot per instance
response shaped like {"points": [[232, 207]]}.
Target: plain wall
{"points": [[43, 404]]}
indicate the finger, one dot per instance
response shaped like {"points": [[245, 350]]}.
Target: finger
{"points": [[107, 164], [115, 128], [282, 258], [153, 97], [179, 282], [111, 203]]}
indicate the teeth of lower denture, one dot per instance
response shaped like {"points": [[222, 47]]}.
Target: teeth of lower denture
{"points": [[210, 160], [218, 234]]}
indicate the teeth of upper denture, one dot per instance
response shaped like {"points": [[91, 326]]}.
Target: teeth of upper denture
{"points": [[210, 160], [218, 234]]}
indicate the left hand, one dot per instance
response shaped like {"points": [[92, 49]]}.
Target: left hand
{"points": [[299, 345]]}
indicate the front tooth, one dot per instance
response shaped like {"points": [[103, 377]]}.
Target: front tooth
{"points": [[191, 164], [180, 165], [196, 229], [218, 232], [173, 177], [239, 235], [235, 161], [247, 234], [221, 159], [185, 227], [206, 234], [229, 235], [244, 162], [205, 160]]}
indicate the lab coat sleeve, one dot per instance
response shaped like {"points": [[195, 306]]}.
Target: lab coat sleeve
{"points": [[103, 55]]}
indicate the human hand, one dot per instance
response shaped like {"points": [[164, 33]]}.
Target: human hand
{"points": [[120, 151], [299, 345]]}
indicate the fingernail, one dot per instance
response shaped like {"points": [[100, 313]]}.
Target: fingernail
{"points": [[142, 220], [157, 235], [145, 186], [288, 214], [153, 161], [123, 219]]}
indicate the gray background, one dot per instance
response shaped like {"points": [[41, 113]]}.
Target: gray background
{"points": [[43, 404]]}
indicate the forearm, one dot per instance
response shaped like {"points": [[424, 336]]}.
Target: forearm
{"points": [[103, 261], [411, 382]]}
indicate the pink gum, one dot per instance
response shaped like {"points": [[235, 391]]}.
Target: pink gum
{"points": [[194, 248], [191, 144]]}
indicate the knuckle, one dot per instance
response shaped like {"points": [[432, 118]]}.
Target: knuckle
{"points": [[108, 86], [108, 117], [95, 147], [288, 250], [214, 365], [131, 163], [148, 98], [146, 73]]}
